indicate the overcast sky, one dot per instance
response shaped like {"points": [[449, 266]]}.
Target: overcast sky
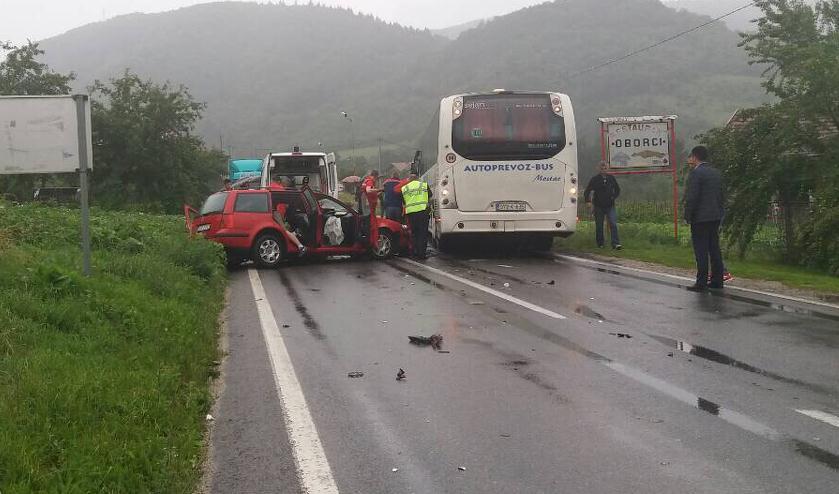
{"points": [[39, 19]]}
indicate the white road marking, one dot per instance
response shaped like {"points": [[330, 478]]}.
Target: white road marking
{"points": [[312, 465], [616, 267], [823, 416], [496, 293]]}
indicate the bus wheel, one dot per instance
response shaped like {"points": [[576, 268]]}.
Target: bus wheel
{"points": [[542, 243], [384, 246], [444, 243]]}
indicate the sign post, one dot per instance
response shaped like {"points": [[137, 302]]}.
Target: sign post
{"points": [[82, 117], [49, 134], [642, 145]]}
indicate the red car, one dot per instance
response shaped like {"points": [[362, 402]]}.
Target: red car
{"points": [[247, 224]]}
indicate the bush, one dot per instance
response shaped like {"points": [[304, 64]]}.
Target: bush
{"points": [[103, 379]]}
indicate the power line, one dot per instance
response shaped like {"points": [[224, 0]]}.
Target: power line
{"points": [[659, 43]]}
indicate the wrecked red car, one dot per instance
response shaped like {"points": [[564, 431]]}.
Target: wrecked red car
{"points": [[255, 224]]}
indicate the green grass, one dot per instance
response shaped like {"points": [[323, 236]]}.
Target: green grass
{"points": [[104, 380], [653, 242]]}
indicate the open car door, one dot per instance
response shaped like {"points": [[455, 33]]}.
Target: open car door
{"points": [[331, 175]]}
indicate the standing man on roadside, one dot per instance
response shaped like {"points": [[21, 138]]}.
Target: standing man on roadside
{"points": [[416, 195], [606, 189], [704, 210]]}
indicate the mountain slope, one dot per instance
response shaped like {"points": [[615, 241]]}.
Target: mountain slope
{"points": [[277, 75]]}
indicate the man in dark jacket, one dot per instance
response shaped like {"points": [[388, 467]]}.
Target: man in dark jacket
{"points": [[392, 202], [704, 209], [606, 190]]}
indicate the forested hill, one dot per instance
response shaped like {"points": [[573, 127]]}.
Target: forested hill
{"points": [[274, 75]]}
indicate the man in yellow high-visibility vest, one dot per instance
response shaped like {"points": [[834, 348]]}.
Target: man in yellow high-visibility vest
{"points": [[416, 196]]}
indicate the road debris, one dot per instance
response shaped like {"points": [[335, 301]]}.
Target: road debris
{"points": [[462, 469], [400, 376], [621, 335], [435, 340], [286, 326], [505, 266], [355, 374], [552, 282], [443, 351], [504, 435], [670, 354], [506, 285], [210, 418], [665, 463], [394, 470]]}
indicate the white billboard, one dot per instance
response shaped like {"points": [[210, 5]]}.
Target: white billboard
{"points": [[637, 142], [40, 134]]}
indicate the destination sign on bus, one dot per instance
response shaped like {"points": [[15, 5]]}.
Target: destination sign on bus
{"points": [[638, 145]]}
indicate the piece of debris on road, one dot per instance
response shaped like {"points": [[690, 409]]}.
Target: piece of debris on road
{"points": [[435, 340], [400, 376], [355, 374], [462, 469], [621, 335]]}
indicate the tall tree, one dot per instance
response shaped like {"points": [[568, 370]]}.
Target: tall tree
{"points": [[144, 150], [21, 73], [788, 150]]}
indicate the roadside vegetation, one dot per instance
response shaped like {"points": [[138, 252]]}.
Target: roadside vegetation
{"points": [[653, 241], [104, 380]]}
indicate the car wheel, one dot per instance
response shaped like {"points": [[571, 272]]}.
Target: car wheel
{"points": [[268, 251], [384, 246]]}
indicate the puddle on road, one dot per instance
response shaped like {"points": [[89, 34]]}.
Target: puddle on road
{"points": [[788, 308], [720, 358]]}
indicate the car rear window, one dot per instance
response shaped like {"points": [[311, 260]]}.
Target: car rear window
{"points": [[214, 203], [251, 203]]}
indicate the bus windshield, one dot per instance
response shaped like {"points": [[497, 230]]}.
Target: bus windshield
{"points": [[509, 126]]}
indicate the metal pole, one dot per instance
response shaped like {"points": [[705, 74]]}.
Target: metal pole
{"points": [[673, 160], [81, 119], [380, 155]]}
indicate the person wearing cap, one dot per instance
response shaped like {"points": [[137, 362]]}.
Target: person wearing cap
{"points": [[416, 195]]}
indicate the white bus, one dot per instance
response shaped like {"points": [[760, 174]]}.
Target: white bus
{"points": [[503, 164]]}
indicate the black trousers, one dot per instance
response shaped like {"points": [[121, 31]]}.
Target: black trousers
{"points": [[419, 232], [706, 245]]}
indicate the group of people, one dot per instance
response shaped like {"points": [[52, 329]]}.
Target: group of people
{"points": [[704, 211], [407, 200]]}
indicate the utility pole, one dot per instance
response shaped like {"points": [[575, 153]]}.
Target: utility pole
{"points": [[380, 155]]}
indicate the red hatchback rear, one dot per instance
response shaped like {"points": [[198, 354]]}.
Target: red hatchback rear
{"points": [[256, 225]]}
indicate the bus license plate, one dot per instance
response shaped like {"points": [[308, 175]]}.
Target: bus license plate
{"points": [[510, 206]]}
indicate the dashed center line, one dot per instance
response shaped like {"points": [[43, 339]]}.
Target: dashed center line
{"points": [[496, 293], [822, 416]]}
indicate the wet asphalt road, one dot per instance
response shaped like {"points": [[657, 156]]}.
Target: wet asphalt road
{"points": [[643, 387]]}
